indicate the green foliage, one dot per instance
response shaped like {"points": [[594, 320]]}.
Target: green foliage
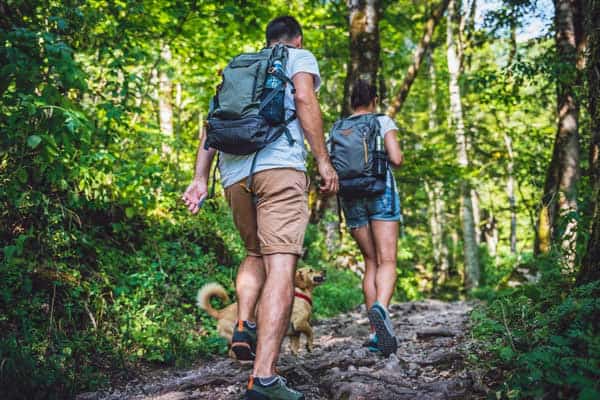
{"points": [[543, 338], [127, 304], [99, 262], [341, 292]]}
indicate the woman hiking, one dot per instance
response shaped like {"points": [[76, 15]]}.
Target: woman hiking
{"points": [[373, 222]]}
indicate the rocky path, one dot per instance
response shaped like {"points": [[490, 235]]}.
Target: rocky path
{"points": [[429, 364]]}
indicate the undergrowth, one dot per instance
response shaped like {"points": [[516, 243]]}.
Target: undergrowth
{"points": [[541, 340]]}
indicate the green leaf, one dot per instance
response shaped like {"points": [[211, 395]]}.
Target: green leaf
{"points": [[129, 212], [33, 141]]}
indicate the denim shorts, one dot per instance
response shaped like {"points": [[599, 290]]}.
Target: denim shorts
{"points": [[384, 207]]}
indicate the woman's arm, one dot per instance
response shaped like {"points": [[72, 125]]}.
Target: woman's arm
{"points": [[392, 147]]}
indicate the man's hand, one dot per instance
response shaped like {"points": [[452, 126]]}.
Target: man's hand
{"points": [[329, 184], [195, 195]]}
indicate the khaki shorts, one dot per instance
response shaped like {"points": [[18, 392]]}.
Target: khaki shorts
{"points": [[277, 222]]}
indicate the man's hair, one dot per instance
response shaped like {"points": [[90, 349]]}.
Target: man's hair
{"points": [[363, 93], [283, 28]]}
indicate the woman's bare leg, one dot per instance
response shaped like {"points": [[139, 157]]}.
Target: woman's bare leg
{"points": [[366, 244], [385, 235]]}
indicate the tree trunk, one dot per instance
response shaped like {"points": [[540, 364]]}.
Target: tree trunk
{"points": [[472, 269], [437, 221], [590, 270], [363, 20], [165, 99], [489, 231], [411, 73], [557, 221], [510, 191], [437, 217], [476, 214]]}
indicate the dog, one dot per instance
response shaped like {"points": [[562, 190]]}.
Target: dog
{"points": [[305, 280]]}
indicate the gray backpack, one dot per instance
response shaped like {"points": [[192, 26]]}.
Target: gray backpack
{"points": [[247, 112], [358, 155]]}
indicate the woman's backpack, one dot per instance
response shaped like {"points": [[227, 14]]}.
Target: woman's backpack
{"points": [[358, 155]]}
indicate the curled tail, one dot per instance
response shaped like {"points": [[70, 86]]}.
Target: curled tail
{"points": [[206, 293]]}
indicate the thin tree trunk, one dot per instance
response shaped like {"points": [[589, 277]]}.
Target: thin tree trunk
{"points": [[413, 69], [590, 270], [557, 221], [437, 217], [165, 99], [476, 213], [437, 221], [510, 191], [490, 232], [472, 269], [179, 108], [363, 21], [510, 181]]}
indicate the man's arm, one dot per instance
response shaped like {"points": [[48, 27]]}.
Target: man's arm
{"points": [[309, 115], [198, 189]]}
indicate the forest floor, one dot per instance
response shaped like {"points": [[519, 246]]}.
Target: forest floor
{"points": [[430, 363]]}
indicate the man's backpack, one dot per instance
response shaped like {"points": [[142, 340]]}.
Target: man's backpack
{"points": [[358, 155], [247, 112]]}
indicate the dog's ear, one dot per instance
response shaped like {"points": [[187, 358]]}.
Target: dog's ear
{"points": [[299, 281]]}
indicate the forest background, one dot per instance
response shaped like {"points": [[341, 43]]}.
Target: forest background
{"points": [[102, 103]]}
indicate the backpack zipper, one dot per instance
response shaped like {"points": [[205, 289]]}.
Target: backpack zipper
{"points": [[365, 149]]}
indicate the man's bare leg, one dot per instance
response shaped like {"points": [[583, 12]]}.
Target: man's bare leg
{"points": [[248, 284], [274, 311]]}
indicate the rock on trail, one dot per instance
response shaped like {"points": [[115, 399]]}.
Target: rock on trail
{"points": [[429, 363]]}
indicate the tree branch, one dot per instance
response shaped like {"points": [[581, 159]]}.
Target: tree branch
{"points": [[420, 51]]}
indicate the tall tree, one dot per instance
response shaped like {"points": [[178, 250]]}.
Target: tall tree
{"points": [[435, 192], [472, 268], [590, 269], [363, 25], [165, 97], [557, 221], [420, 51], [510, 191]]}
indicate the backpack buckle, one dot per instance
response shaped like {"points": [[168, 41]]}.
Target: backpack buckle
{"points": [[245, 187]]}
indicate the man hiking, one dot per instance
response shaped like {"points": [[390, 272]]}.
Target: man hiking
{"points": [[267, 192]]}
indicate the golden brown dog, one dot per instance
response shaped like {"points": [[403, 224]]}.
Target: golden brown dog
{"points": [[305, 281]]}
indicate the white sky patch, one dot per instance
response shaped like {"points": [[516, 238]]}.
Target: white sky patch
{"points": [[534, 24]]}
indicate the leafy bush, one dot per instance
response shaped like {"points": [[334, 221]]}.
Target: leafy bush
{"points": [[544, 338], [340, 293], [99, 299]]}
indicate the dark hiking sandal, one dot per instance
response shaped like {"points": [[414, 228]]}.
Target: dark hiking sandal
{"points": [[243, 342], [277, 389], [386, 339]]}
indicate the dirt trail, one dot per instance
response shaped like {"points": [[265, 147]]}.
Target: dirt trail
{"points": [[429, 364]]}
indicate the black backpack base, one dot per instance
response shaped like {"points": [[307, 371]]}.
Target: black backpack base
{"points": [[364, 186], [225, 135]]}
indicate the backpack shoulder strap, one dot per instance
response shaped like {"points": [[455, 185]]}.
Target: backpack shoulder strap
{"points": [[375, 121]]}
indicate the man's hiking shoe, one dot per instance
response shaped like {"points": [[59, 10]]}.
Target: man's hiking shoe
{"points": [[371, 344], [274, 388], [243, 341], [386, 339]]}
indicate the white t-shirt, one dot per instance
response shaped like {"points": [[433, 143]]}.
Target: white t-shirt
{"points": [[387, 124], [278, 154]]}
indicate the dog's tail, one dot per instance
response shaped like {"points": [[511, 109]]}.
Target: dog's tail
{"points": [[206, 293]]}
